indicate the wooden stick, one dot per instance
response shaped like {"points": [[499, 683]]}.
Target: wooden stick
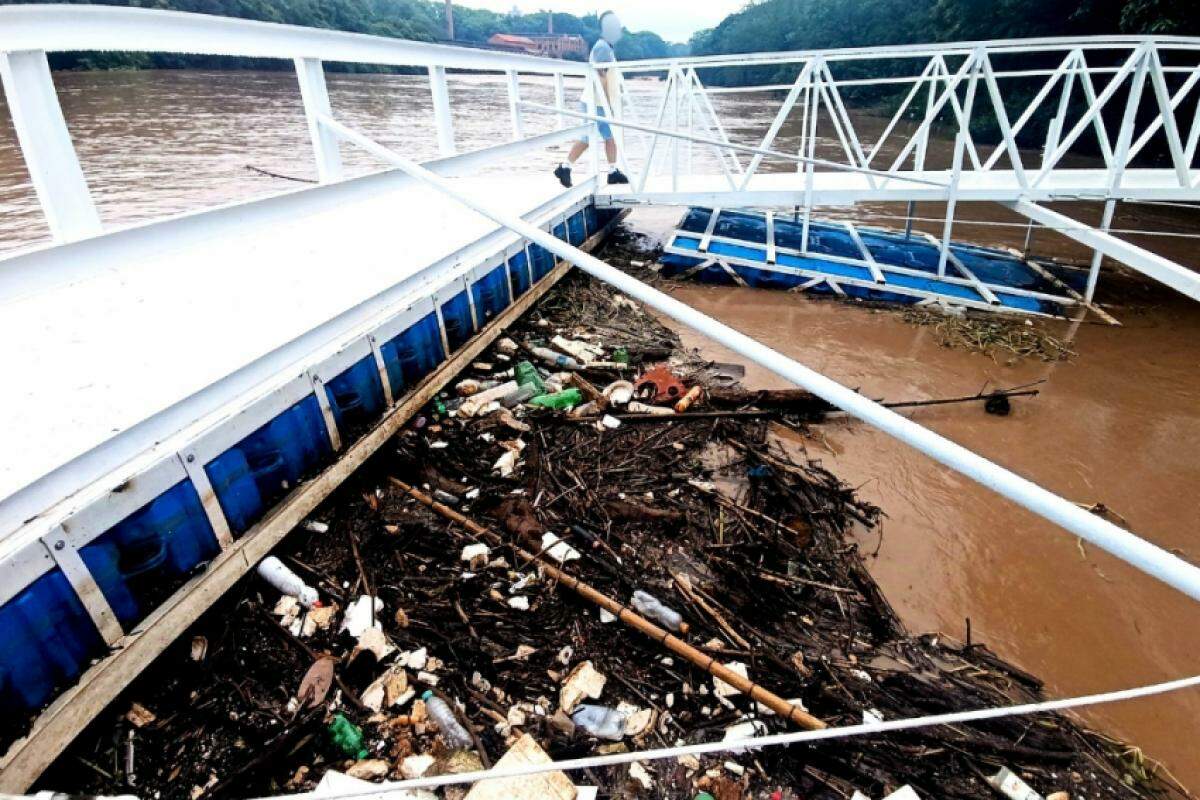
{"points": [[768, 413], [706, 662], [685, 586]]}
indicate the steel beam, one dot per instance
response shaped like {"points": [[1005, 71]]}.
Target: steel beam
{"points": [[442, 117], [46, 144], [1161, 269], [311, 75]]}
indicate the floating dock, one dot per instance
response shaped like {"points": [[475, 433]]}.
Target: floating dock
{"points": [[845, 259], [262, 400]]}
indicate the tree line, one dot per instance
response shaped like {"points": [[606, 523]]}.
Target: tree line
{"points": [[418, 20], [804, 24], [774, 25]]}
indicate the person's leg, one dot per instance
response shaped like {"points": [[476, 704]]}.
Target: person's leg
{"points": [[610, 149], [563, 170]]}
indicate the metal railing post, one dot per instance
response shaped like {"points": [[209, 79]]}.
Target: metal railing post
{"points": [[441, 110], [930, 111], [810, 140], [311, 75], [46, 144], [560, 97], [589, 95], [671, 86], [691, 116], [960, 145], [1054, 130], [514, 105], [1110, 207], [1125, 136]]}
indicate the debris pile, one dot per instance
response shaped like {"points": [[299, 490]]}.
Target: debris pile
{"points": [[587, 544], [998, 337]]}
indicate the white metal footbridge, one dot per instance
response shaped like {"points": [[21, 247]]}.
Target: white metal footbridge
{"points": [[147, 366]]}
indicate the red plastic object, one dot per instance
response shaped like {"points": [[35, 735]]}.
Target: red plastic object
{"points": [[659, 385]]}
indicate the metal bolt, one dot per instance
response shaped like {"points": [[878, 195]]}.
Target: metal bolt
{"points": [[191, 457], [60, 544]]}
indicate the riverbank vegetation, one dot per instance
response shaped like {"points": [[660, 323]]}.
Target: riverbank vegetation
{"points": [[772, 24]]}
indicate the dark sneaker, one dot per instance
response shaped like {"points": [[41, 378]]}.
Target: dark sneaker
{"points": [[563, 173], [616, 176]]}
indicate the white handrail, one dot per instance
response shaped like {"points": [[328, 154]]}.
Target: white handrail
{"points": [[1006, 46], [57, 27], [400, 789], [740, 148]]}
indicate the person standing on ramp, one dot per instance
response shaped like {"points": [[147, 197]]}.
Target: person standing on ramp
{"points": [[611, 31]]}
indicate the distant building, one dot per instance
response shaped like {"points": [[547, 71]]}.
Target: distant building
{"points": [[551, 45]]}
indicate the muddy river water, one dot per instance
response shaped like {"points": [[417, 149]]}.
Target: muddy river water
{"points": [[1119, 424]]}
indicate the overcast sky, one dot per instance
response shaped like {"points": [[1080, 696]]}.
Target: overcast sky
{"points": [[674, 20]]}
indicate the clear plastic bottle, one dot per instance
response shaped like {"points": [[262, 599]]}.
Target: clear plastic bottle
{"points": [[649, 606], [1009, 784], [440, 712], [600, 721], [554, 359], [276, 573]]}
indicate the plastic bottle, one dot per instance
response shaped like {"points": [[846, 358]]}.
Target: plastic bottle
{"points": [[1009, 784], [471, 386], [526, 374], [276, 573], [347, 736], [473, 404], [555, 359], [600, 721], [440, 712], [580, 350], [567, 398], [519, 395], [649, 606]]}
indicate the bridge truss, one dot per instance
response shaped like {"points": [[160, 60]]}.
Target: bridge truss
{"points": [[1104, 120]]}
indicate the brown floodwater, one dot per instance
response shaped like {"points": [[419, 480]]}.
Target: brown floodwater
{"points": [[1119, 424]]}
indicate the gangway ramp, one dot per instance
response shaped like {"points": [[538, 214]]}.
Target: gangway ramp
{"points": [[790, 189]]}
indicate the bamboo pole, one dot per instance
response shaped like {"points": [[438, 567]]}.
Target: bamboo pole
{"points": [[782, 707]]}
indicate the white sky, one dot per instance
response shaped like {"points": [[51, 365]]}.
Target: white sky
{"points": [[674, 20]]}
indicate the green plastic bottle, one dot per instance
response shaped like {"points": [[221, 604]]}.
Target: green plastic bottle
{"points": [[526, 373], [560, 401], [347, 736]]}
